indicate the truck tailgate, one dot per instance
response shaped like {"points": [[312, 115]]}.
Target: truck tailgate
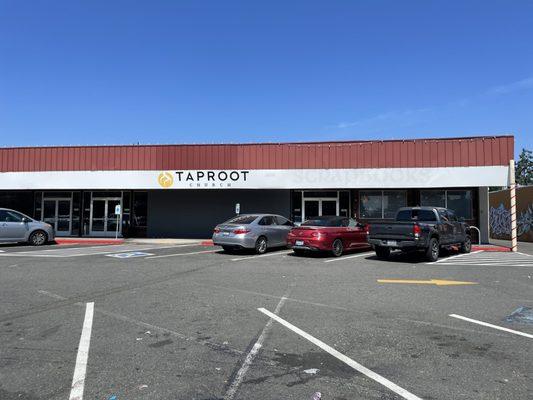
{"points": [[392, 230]]}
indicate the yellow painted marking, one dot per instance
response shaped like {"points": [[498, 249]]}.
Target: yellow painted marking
{"points": [[438, 282]]}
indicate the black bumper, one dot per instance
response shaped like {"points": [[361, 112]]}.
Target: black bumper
{"points": [[400, 244]]}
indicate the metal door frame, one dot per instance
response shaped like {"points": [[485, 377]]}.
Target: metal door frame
{"points": [[105, 232], [56, 200], [320, 200]]}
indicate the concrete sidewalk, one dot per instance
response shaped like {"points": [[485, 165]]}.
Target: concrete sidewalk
{"points": [[523, 247]]}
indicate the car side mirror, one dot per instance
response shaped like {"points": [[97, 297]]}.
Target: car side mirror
{"points": [[25, 220]]}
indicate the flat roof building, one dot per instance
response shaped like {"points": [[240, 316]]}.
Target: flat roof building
{"points": [[185, 190]]}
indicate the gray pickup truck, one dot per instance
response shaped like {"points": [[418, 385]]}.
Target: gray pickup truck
{"points": [[426, 229]]}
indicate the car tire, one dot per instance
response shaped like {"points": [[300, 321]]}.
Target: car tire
{"points": [[38, 238], [433, 250], [261, 245], [382, 252], [337, 248], [466, 246]]}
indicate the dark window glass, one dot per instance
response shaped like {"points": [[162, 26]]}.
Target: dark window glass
{"points": [[283, 221], [370, 204], [139, 219], [10, 216], [267, 221], [344, 203], [345, 222], [460, 201], [416, 215], [392, 201], [242, 219], [433, 198], [308, 195], [452, 215], [296, 206], [21, 201]]}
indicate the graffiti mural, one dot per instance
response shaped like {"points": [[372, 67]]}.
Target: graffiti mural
{"points": [[500, 221], [500, 214]]}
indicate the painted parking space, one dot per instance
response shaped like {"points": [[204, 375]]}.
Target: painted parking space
{"points": [[81, 251], [190, 328], [487, 258]]}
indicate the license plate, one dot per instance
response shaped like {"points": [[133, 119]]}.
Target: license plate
{"points": [[299, 243], [225, 233], [392, 242]]}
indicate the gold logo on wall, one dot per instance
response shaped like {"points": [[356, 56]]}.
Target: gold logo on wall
{"points": [[165, 179]]}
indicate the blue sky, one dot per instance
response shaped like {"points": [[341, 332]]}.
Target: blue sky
{"points": [[106, 72]]}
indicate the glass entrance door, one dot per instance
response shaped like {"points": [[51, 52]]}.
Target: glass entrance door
{"points": [[103, 218], [319, 207], [58, 213]]}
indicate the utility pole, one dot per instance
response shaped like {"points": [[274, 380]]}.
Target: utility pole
{"points": [[512, 193]]}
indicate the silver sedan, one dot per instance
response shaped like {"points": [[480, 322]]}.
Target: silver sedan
{"points": [[253, 231]]}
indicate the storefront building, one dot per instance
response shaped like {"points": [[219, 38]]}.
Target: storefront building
{"points": [[184, 190]]}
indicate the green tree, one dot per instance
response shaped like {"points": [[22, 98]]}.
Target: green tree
{"points": [[524, 168]]}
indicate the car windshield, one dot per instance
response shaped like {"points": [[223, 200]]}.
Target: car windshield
{"points": [[323, 222], [416, 215], [242, 219]]}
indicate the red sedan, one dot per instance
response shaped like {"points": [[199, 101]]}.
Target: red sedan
{"points": [[335, 234]]}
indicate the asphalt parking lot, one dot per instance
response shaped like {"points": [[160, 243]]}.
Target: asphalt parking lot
{"points": [[191, 322]]}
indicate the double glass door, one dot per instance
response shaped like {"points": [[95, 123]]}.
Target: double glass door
{"points": [[319, 207], [58, 213], [103, 218]]}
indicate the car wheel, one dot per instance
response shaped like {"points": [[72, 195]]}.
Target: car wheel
{"points": [[466, 246], [261, 245], [382, 252], [432, 252], [338, 248], [38, 238]]}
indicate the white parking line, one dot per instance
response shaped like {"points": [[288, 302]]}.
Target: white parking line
{"points": [[348, 257], [71, 252], [239, 376], [453, 257], [501, 328], [78, 381], [277, 253], [348, 361], [345, 359], [182, 254]]}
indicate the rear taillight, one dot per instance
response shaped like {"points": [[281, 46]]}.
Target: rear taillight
{"points": [[416, 230], [216, 230], [241, 231]]}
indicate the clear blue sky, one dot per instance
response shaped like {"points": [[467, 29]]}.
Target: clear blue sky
{"points": [[106, 72]]}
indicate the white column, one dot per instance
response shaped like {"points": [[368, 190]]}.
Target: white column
{"points": [[512, 182]]}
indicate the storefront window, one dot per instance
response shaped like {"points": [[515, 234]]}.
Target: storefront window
{"points": [[392, 201], [371, 204], [460, 201], [381, 204], [433, 198]]}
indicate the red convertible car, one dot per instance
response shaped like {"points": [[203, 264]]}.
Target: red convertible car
{"points": [[334, 234]]}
